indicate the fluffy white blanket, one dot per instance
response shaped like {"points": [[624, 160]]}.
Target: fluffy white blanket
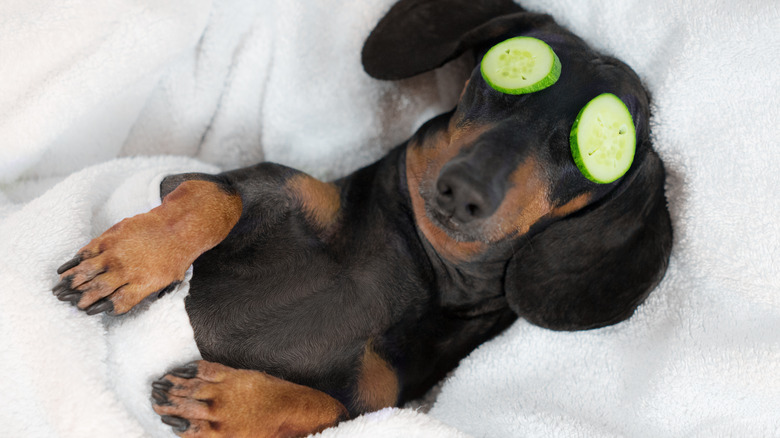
{"points": [[229, 82]]}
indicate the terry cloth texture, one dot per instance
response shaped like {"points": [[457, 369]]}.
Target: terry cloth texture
{"points": [[220, 84]]}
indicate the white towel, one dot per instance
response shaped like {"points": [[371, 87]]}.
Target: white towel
{"points": [[230, 82], [702, 356]]}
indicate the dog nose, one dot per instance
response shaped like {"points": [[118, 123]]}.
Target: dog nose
{"points": [[464, 198]]}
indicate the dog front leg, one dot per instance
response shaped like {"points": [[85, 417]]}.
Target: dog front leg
{"points": [[149, 252]]}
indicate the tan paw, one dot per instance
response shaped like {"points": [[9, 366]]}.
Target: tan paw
{"points": [[206, 399], [131, 260]]}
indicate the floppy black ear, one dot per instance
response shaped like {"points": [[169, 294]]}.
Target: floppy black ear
{"points": [[595, 267], [419, 35]]}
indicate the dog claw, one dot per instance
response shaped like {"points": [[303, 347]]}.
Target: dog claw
{"points": [[186, 371], [162, 384], [179, 424], [63, 286], [62, 293], [69, 295], [160, 293], [160, 397], [100, 306], [69, 264]]}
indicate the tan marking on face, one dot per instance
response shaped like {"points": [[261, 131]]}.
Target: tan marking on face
{"points": [[570, 207], [524, 203], [227, 402], [145, 253], [423, 165], [463, 91], [377, 382], [320, 201]]}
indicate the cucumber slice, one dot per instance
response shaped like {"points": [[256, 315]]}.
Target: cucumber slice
{"points": [[603, 139], [520, 65]]}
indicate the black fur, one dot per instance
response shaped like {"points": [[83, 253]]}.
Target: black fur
{"points": [[274, 296]]}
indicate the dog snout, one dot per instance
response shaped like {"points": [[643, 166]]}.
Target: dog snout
{"points": [[464, 198]]}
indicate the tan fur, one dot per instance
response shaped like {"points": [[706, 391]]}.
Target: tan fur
{"points": [[320, 201], [423, 165], [145, 253], [226, 402], [570, 207], [524, 203], [377, 383]]}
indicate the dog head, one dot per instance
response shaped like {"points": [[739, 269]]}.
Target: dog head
{"points": [[494, 181]]}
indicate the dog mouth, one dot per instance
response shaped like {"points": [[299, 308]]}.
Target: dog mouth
{"points": [[442, 220], [461, 232]]}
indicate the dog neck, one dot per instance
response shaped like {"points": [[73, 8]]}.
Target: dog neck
{"points": [[381, 193]]}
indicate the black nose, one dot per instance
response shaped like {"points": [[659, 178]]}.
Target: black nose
{"points": [[465, 198]]}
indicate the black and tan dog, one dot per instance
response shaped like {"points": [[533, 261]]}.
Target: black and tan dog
{"points": [[312, 302]]}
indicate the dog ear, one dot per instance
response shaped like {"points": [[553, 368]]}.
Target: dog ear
{"points": [[419, 35], [595, 267]]}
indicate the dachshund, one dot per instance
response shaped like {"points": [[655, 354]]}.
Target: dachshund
{"points": [[313, 302]]}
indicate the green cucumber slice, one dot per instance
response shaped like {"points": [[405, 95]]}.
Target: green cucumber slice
{"points": [[520, 65], [603, 139]]}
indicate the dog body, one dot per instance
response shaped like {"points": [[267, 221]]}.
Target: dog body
{"points": [[314, 301], [327, 299]]}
